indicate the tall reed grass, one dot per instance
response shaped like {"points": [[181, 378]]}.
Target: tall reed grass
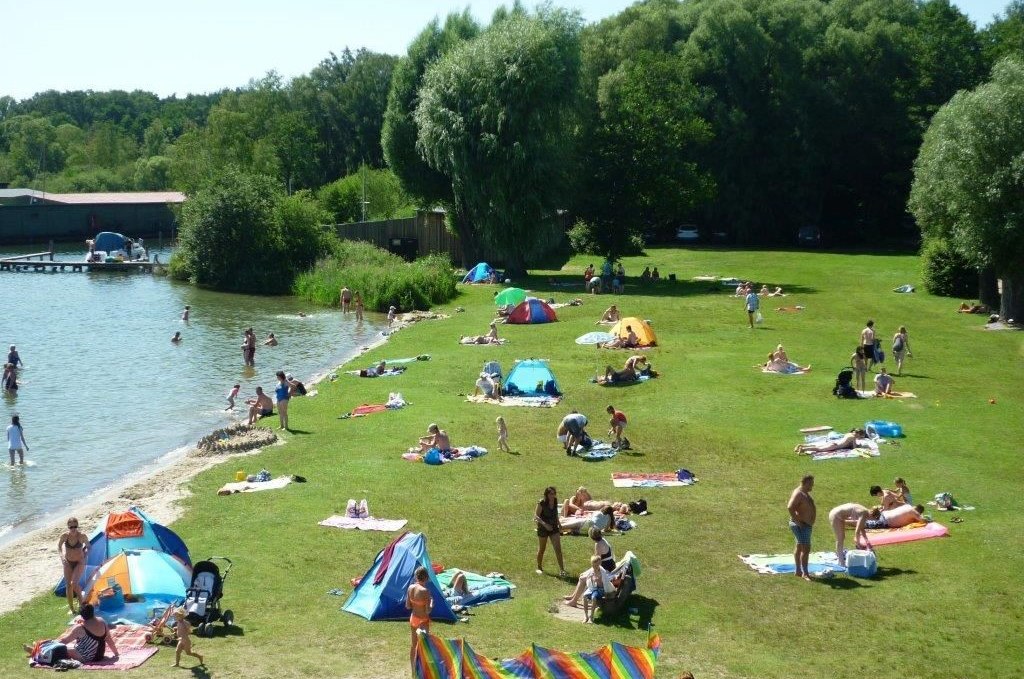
{"points": [[383, 279]]}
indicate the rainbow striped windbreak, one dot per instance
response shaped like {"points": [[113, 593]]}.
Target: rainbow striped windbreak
{"points": [[438, 658]]}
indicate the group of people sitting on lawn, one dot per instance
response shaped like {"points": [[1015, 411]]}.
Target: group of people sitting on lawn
{"points": [[895, 511], [778, 361], [634, 367]]}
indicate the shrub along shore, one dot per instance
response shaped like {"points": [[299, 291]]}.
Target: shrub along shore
{"points": [[938, 608]]}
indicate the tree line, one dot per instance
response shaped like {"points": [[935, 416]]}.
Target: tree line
{"points": [[751, 118]]}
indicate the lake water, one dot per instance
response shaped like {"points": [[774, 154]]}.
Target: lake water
{"points": [[105, 393]]}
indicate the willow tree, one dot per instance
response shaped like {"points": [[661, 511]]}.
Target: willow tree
{"points": [[969, 179], [425, 184], [496, 116]]}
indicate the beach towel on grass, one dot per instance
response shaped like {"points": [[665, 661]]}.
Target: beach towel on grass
{"points": [[865, 447], [403, 361], [390, 372], [649, 480], [254, 486], [915, 531], [471, 341], [467, 454], [777, 564], [132, 645], [597, 452], [347, 522], [483, 589], [791, 369], [895, 394], [518, 401], [621, 383]]}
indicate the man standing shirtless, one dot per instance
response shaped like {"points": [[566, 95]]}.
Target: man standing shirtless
{"points": [[346, 299], [802, 513], [419, 601]]}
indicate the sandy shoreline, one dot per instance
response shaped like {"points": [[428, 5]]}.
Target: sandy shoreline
{"points": [[29, 564]]}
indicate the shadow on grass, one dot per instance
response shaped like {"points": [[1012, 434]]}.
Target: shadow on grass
{"points": [[222, 631], [560, 285], [840, 583], [300, 432], [884, 572], [639, 606], [201, 672]]}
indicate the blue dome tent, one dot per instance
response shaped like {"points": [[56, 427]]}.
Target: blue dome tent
{"points": [[526, 376]]}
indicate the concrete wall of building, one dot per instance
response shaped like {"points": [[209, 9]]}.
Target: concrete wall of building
{"points": [[38, 224]]}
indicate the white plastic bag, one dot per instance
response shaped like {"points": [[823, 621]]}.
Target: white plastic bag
{"points": [[758, 318]]}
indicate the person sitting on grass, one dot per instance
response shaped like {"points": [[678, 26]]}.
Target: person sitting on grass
{"points": [[486, 385], [490, 338], [435, 438], [260, 406], [611, 315], [778, 361], [594, 573], [890, 499], [91, 636], [883, 383], [847, 442], [630, 341]]}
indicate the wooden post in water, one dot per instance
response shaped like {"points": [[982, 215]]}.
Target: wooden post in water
{"points": [[50, 248]]}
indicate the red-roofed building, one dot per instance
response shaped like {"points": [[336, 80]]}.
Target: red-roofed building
{"points": [[36, 217]]}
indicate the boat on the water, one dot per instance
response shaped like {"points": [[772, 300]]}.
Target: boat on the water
{"points": [[113, 247]]}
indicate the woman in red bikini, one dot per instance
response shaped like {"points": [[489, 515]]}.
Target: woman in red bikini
{"points": [[418, 600]]}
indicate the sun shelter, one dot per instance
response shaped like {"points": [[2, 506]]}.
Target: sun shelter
{"points": [[133, 583], [438, 658], [119, 531], [380, 594], [532, 310], [480, 273], [642, 329], [532, 377], [511, 296]]}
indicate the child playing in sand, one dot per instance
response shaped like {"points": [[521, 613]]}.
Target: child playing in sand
{"points": [[502, 435], [183, 630], [232, 395]]}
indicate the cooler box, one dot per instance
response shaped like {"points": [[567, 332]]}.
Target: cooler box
{"points": [[861, 563], [882, 428]]}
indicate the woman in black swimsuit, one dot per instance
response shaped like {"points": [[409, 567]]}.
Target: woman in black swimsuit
{"points": [[91, 636], [548, 528], [73, 549]]}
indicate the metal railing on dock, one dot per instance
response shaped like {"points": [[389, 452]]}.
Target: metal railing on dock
{"points": [[25, 263]]}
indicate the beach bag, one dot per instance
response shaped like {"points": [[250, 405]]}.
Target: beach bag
{"points": [[586, 441], [879, 354], [944, 501], [638, 506], [684, 475], [49, 652], [433, 456], [897, 344]]}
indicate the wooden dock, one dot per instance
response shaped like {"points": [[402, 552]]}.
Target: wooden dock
{"points": [[44, 262]]}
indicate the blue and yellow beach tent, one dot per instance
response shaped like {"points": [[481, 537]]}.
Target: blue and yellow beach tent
{"points": [[130, 530], [380, 594]]}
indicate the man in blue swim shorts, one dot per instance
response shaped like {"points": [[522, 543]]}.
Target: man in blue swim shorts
{"points": [[802, 514]]}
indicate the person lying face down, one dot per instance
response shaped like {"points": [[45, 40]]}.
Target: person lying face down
{"points": [[847, 442]]}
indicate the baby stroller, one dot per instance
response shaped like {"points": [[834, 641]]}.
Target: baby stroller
{"points": [[844, 385], [202, 598]]}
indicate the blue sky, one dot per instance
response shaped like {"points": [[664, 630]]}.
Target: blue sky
{"points": [[205, 45]]}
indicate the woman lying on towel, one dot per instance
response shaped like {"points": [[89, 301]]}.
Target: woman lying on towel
{"points": [[582, 501], [848, 442], [603, 520], [490, 338], [778, 362]]}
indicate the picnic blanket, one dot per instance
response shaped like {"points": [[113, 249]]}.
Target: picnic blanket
{"points": [[131, 641], [895, 394], [776, 564], [865, 447], [471, 341], [254, 486], [595, 337], [598, 451], [790, 369], [390, 372], [483, 589], [649, 480], [915, 531], [347, 522], [621, 383], [395, 401], [518, 401], [467, 454]]}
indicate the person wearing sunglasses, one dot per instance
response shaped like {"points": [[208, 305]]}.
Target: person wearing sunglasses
{"points": [[73, 548]]}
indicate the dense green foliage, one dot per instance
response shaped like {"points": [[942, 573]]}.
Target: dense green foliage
{"points": [[240, 234], [946, 272], [343, 199], [383, 279], [715, 616], [495, 116], [969, 179]]}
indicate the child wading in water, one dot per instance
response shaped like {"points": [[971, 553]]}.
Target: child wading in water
{"points": [[232, 395], [183, 630], [502, 435]]}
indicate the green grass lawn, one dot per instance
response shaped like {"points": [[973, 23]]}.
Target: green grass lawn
{"points": [[939, 608]]}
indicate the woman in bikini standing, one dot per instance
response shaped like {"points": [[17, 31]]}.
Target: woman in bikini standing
{"points": [[73, 548], [419, 601]]}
